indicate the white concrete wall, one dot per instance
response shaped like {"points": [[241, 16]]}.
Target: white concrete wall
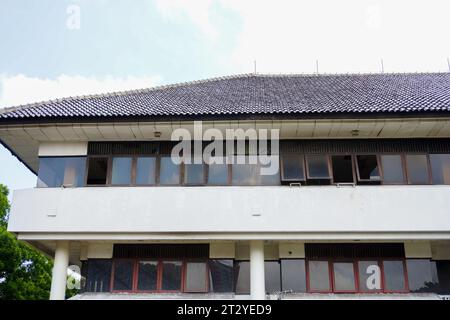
{"points": [[63, 149], [232, 209]]}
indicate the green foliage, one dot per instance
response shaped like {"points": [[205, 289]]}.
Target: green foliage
{"points": [[24, 272], [4, 205]]}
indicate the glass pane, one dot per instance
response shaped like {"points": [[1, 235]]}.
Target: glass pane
{"points": [[342, 169], [171, 277], [392, 169], [196, 277], [272, 273], [417, 169], [145, 170], [242, 277], [293, 168], [344, 276], [169, 172], [193, 174], [422, 275], [97, 172], [269, 179], [218, 173], [440, 168], [317, 167], [369, 276], [319, 276], [368, 167], [245, 174], [123, 275], [394, 276], [98, 275], [221, 275], [148, 274], [59, 171], [293, 275], [121, 170]]}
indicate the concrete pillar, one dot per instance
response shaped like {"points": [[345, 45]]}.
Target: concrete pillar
{"points": [[257, 281], [59, 273]]}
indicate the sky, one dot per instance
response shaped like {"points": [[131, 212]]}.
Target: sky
{"points": [[51, 49]]}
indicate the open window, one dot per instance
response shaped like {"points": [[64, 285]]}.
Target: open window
{"points": [[342, 169], [318, 170], [368, 169], [293, 168], [97, 171]]}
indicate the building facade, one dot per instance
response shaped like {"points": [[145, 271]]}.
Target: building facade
{"points": [[358, 204]]}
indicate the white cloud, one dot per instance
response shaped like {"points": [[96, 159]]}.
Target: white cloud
{"points": [[345, 36], [198, 11], [21, 89]]}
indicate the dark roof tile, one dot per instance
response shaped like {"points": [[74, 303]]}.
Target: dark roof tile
{"points": [[259, 94]]}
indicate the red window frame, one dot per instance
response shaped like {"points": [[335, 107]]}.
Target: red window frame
{"points": [[356, 275], [160, 261]]}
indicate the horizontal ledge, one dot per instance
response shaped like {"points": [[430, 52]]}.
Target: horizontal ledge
{"points": [[284, 236]]}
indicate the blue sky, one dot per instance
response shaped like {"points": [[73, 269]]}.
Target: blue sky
{"points": [[133, 44]]}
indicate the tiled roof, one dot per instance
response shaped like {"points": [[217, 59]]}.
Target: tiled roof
{"points": [[258, 94]]}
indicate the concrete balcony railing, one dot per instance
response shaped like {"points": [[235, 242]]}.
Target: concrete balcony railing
{"points": [[232, 209]]}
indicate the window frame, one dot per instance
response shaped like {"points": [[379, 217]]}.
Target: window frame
{"points": [[330, 169], [355, 275], [408, 180], [405, 276], [206, 262], [108, 168], [352, 159], [378, 158], [132, 172], [303, 161], [380, 265], [135, 160], [159, 276], [308, 276], [403, 164]]}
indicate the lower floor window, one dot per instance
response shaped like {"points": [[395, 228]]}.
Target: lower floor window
{"points": [[160, 275]]}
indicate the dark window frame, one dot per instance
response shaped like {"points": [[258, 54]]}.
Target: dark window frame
{"points": [[353, 164], [281, 167], [135, 275], [355, 262], [330, 169], [135, 160], [358, 176]]}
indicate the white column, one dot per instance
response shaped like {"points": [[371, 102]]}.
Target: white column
{"points": [[257, 281], [59, 273]]}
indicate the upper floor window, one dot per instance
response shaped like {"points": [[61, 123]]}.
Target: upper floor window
{"points": [[121, 170], [169, 172], [97, 171], [367, 168], [146, 170], [342, 169], [417, 169], [440, 168], [61, 171], [392, 166]]}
